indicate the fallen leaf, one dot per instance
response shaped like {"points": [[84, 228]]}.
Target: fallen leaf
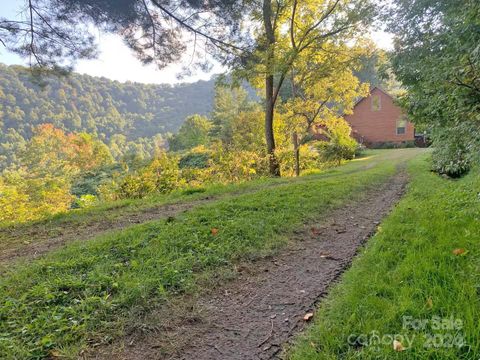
{"points": [[397, 346], [459, 251], [429, 303], [315, 231], [308, 316], [54, 354], [214, 231]]}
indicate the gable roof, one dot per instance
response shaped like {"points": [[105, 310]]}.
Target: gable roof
{"points": [[370, 92]]}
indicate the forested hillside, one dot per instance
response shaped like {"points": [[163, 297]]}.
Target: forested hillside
{"points": [[115, 112]]}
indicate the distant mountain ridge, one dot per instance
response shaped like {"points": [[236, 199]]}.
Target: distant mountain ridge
{"points": [[98, 105], [95, 105]]}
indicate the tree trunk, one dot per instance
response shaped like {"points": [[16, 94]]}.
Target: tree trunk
{"points": [[269, 88], [296, 150], [269, 135]]}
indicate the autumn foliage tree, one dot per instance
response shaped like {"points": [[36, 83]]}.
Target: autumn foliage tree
{"points": [[52, 152], [265, 38], [323, 89], [41, 185], [289, 31]]}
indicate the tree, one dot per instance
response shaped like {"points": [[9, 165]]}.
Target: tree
{"points": [[56, 32], [324, 87], [96, 106], [53, 153], [229, 102], [282, 30], [194, 132], [291, 29], [340, 145], [247, 131], [437, 59]]}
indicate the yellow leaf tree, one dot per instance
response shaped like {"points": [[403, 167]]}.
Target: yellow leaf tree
{"points": [[323, 89], [286, 31]]}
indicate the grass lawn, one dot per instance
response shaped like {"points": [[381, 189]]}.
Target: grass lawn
{"points": [[20, 235], [417, 279], [85, 292]]}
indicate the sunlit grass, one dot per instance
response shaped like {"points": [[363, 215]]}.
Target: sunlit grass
{"points": [[409, 271], [86, 291], [20, 234]]}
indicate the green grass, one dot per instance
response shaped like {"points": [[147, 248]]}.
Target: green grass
{"points": [[20, 235], [407, 270], [87, 291]]}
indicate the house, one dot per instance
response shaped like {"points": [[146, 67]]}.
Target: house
{"points": [[376, 119]]}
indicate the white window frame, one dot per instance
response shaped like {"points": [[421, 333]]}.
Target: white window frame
{"points": [[401, 127]]}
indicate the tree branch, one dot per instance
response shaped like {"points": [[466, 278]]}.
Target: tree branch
{"points": [[32, 35], [154, 31], [292, 25], [319, 22], [215, 41]]}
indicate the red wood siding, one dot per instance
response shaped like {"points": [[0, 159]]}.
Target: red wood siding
{"points": [[370, 126]]}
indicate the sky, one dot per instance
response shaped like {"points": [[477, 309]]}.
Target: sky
{"points": [[116, 61]]}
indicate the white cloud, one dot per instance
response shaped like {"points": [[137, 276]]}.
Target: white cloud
{"points": [[116, 61]]}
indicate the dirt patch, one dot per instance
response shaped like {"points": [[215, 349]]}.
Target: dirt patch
{"points": [[257, 313]]}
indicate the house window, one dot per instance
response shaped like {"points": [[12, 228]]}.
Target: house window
{"points": [[376, 105], [401, 127]]}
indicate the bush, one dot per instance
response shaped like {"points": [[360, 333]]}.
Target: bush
{"points": [[136, 186], [341, 146], [14, 204], [161, 175], [393, 145], [309, 159], [360, 150], [450, 160], [84, 201], [23, 199], [228, 167], [166, 173], [88, 182], [451, 154], [196, 159]]}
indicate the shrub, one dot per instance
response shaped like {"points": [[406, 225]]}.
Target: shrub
{"points": [[341, 146], [88, 182], [227, 166], [360, 149], [136, 186], [451, 154], [450, 159], [23, 199], [108, 191], [84, 201], [161, 175], [393, 145], [14, 204], [196, 159], [165, 170], [309, 159]]}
